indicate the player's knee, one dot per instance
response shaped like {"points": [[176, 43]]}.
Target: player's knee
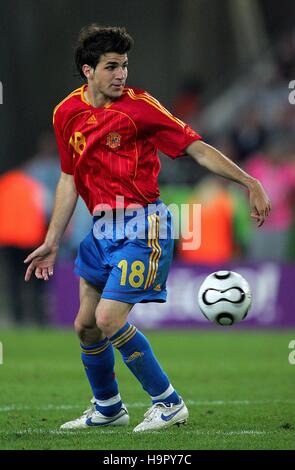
{"points": [[107, 324], [85, 332], [80, 329], [103, 322]]}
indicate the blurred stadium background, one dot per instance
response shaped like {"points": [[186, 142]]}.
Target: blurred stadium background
{"points": [[225, 67]]}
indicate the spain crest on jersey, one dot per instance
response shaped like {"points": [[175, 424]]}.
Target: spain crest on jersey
{"points": [[113, 140]]}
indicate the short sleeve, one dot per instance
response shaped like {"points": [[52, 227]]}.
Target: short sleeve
{"points": [[66, 157], [166, 132]]}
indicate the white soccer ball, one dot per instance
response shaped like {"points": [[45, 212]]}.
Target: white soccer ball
{"points": [[225, 297]]}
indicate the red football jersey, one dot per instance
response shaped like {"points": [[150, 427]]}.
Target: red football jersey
{"points": [[112, 151]]}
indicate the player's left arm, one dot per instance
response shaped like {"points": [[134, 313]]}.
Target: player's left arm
{"points": [[215, 161]]}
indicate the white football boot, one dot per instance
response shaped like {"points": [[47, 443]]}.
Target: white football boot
{"points": [[162, 415], [92, 418]]}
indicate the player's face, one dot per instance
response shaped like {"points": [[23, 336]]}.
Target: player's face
{"points": [[110, 74]]}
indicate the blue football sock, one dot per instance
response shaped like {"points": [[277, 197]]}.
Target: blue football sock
{"points": [[99, 361], [140, 359]]}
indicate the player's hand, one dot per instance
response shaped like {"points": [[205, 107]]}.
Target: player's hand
{"points": [[259, 203], [41, 261]]}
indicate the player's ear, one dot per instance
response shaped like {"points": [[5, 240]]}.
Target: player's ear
{"points": [[87, 70]]}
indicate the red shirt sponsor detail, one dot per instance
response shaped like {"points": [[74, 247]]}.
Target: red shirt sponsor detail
{"points": [[112, 151]]}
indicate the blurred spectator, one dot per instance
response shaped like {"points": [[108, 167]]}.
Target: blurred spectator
{"points": [[26, 200], [22, 228], [275, 168], [222, 212]]}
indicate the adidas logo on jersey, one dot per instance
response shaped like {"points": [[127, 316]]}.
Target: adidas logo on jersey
{"points": [[91, 120]]}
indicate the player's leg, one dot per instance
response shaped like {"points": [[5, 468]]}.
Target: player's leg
{"points": [[135, 349], [85, 324], [98, 360], [139, 274], [168, 408]]}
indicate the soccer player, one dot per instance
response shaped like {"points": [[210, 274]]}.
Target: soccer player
{"points": [[108, 136]]}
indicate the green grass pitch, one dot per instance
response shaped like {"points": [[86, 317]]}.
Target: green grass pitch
{"points": [[238, 385]]}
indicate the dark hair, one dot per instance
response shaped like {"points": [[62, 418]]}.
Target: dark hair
{"points": [[95, 40]]}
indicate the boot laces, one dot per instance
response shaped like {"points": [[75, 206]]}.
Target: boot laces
{"points": [[154, 410], [88, 413]]}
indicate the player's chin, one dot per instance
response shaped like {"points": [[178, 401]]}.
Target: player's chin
{"points": [[117, 91], [117, 94]]}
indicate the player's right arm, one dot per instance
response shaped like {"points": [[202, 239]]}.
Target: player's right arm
{"points": [[43, 258]]}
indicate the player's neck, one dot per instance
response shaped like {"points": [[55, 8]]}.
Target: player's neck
{"points": [[97, 100]]}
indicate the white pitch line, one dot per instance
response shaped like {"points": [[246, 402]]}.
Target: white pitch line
{"points": [[48, 407], [243, 432]]}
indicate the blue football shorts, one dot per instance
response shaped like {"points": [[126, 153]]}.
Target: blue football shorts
{"points": [[127, 255]]}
